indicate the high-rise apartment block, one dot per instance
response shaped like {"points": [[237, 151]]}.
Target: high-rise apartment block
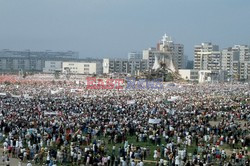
{"points": [[207, 57], [234, 60], [244, 61], [131, 66], [134, 55], [230, 61]]}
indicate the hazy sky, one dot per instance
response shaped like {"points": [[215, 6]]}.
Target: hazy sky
{"points": [[112, 28]]}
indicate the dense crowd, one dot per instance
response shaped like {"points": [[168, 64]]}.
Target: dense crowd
{"points": [[177, 125]]}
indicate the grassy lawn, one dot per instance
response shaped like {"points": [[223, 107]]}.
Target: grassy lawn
{"points": [[150, 146], [131, 140]]}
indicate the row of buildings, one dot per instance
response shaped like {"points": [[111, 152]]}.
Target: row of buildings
{"points": [[144, 61], [12, 61], [233, 61], [47, 62], [210, 63]]}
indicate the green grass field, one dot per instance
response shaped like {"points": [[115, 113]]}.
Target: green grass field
{"points": [[148, 145]]}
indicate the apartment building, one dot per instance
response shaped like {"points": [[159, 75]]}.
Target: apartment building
{"points": [[236, 61], [134, 55], [230, 61], [131, 66], [207, 57]]}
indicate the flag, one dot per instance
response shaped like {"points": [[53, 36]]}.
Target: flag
{"points": [[16, 96], [154, 121], [3, 94], [50, 113], [131, 102], [54, 91], [26, 96]]}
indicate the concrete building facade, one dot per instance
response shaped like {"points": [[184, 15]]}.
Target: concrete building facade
{"points": [[235, 60], [134, 55], [32, 61], [82, 67], [244, 70], [230, 61], [189, 74], [207, 57], [244, 61], [52, 66], [131, 66], [202, 76]]}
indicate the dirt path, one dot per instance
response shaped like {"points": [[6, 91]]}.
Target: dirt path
{"points": [[13, 161]]}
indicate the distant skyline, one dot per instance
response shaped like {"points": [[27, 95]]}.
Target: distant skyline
{"points": [[113, 28]]}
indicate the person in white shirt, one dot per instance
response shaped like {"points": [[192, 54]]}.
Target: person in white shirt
{"points": [[7, 162], [24, 155], [79, 157], [155, 154], [3, 157], [123, 163], [5, 145], [161, 162], [177, 160], [132, 163], [48, 158], [29, 164]]}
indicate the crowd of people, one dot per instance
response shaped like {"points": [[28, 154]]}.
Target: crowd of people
{"points": [[181, 124]]}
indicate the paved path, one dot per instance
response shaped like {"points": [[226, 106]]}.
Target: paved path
{"points": [[13, 161]]}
